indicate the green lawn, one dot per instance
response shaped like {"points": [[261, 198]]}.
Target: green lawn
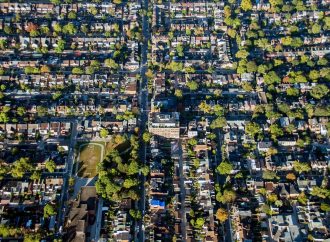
{"points": [[90, 154]]}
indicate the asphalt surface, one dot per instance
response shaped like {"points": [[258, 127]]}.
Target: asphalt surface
{"points": [[182, 195], [221, 179], [143, 104], [67, 174]]}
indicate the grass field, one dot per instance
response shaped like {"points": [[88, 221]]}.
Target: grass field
{"points": [[90, 154]]}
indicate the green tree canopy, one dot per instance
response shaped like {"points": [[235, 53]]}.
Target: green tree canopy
{"points": [[50, 165], [104, 133], [192, 85], [219, 122], [227, 196], [319, 91], [146, 137], [301, 167], [269, 175], [246, 5], [224, 168], [271, 78], [49, 210]]}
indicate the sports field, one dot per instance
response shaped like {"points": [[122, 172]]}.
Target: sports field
{"points": [[90, 154]]}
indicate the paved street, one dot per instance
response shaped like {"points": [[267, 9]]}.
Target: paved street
{"points": [[182, 194], [221, 179], [143, 99], [67, 175]]}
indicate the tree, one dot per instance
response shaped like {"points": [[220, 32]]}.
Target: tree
{"points": [[110, 63], [242, 54], [4, 231], [272, 198], [302, 199], [227, 196], [60, 46], [36, 175], [218, 123], [90, 70], [84, 28], [320, 192], [314, 75], [199, 223], [4, 169], [34, 33], [149, 74], [283, 108], [291, 91], [192, 85], [275, 3], [291, 177], [278, 203], [146, 137], [322, 61], [57, 28], [45, 69], [133, 168], [251, 66], [71, 181], [69, 29], [222, 215], [55, 2], [319, 91], [145, 170], [269, 175], [104, 133], [49, 210], [264, 44], [189, 69], [252, 129], [301, 167], [316, 28], [246, 5], [135, 214], [262, 69], [178, 93], [77, 71], [50, 165], [325, 207], [225, 168], [300, 79], [175, 66], [192, 142], [31, 27], [31, 70], [20, 167], [206, 108], [92, 10], [271, 78], [72, 15], [129, 182], [275, 131], [8, 30], [20, 111], [32, 237]]}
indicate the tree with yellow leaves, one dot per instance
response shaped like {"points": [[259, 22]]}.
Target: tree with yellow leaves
{"points": [[221, 215]]}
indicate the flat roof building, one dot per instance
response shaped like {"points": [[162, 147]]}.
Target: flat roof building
{"points": [[166, 125]]}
